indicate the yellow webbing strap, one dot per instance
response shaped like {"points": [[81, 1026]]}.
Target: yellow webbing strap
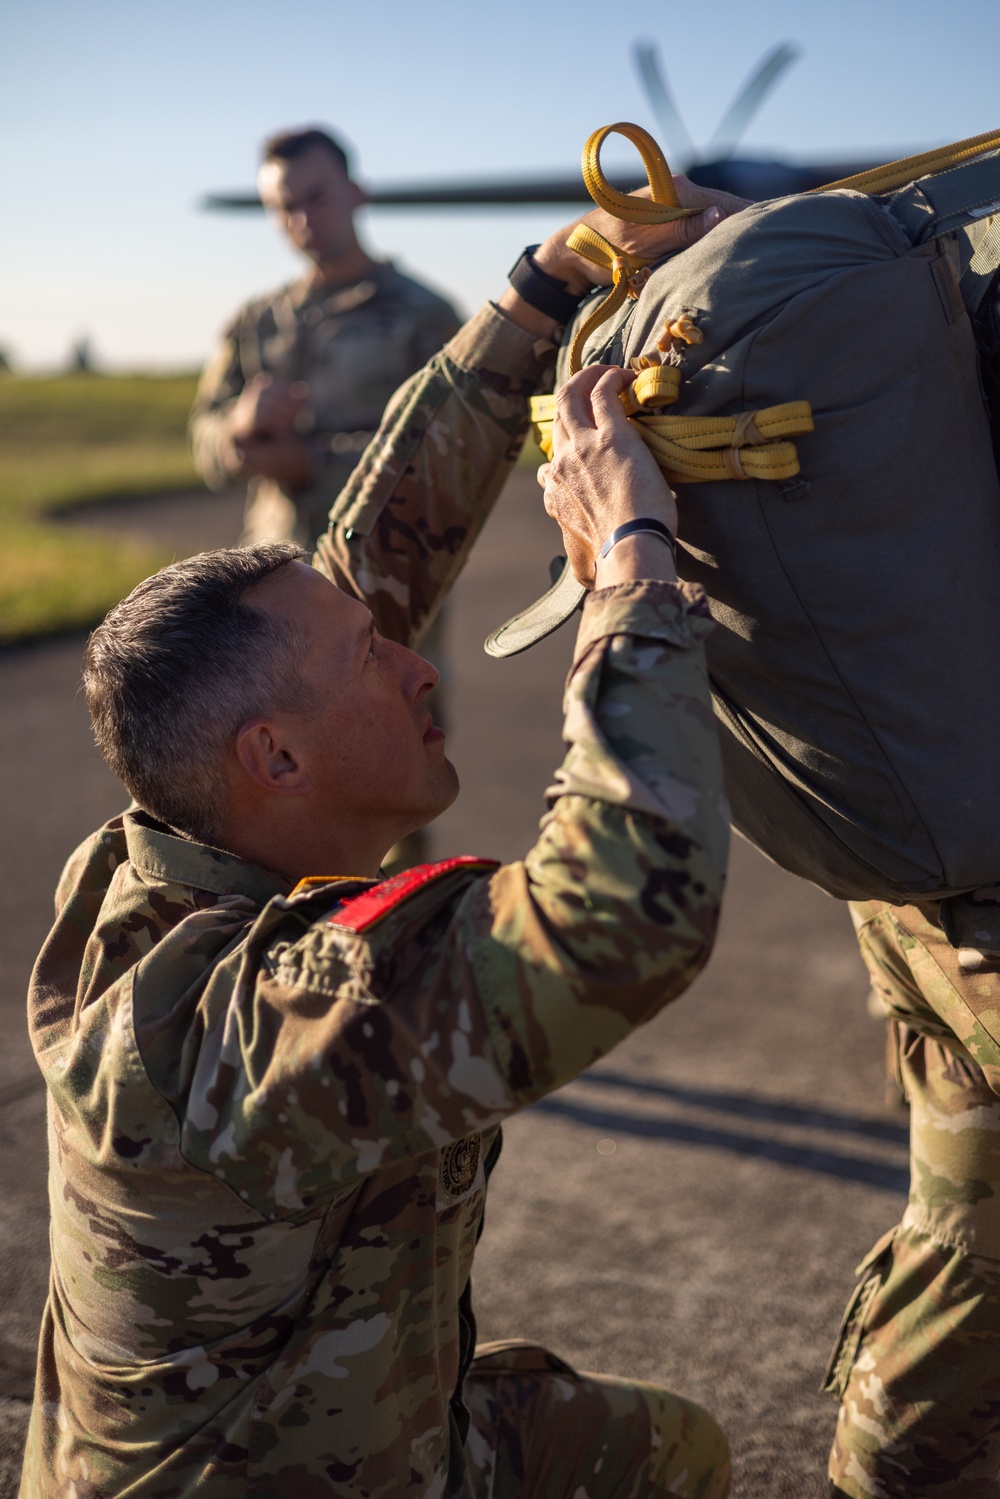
{"points": [[629, 271], [898, 173], [697, 449]]}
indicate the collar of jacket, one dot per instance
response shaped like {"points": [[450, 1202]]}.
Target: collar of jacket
{"points": [[158, 854], [344, 298]]}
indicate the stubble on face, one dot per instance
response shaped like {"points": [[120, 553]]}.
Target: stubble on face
{"points": [[369, 736]]}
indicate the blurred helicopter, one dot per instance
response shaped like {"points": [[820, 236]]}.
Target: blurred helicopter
{"points": [[717, 166]]}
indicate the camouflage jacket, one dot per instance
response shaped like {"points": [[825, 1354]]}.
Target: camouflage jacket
{"points": [[353, 346], [272, 1113]]}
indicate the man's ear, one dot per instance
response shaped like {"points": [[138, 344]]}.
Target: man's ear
{"points": [[271, 758], [360, 197]]}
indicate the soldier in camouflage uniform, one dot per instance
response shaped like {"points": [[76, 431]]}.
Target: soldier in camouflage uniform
{"points": [[275, 1083], [917, 1364], [297, 387]]}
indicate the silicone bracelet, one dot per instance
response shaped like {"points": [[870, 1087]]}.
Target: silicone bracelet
{"points": [[643, 524]]}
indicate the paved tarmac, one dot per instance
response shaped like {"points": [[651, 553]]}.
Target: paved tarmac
{"points": [[690, 1210]]}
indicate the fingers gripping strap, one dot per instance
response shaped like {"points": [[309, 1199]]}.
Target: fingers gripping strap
{"points": [[629, 271], [700, 449], [659, 385]]}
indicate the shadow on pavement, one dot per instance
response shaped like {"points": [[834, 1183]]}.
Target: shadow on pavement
{"points": [[751, 1106], [870, 1173]]}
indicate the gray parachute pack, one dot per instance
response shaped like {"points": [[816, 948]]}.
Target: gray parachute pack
{"points": [[856, 661]]}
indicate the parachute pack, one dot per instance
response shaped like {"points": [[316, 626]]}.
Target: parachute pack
{"points": [[816, 382]]}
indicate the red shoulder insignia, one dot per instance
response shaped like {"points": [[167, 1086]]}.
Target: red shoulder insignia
{"points": [[362, 911]]}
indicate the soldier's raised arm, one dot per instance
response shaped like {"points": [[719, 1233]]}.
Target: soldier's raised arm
{"points": [[402, 528]]}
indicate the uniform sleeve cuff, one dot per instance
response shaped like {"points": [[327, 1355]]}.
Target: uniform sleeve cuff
{"points": [[490, 344], [675, 612]]}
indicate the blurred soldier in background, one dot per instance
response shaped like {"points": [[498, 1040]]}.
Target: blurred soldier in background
{"points": [[297, 387], [299, 382]]}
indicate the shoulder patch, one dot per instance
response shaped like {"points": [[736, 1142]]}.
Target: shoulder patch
{"points": [[361, 912]]}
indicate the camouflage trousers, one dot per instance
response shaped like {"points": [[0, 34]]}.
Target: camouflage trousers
{"points": [[917, 1366], [541, 1431]]}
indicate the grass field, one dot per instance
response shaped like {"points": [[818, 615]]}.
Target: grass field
{"points": [[64, 441], [72, 439]]}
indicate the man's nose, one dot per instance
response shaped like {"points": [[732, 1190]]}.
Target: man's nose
{"points": [[417, 676]]}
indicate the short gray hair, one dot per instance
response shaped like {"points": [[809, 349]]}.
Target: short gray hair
{"points": [[177, 667]]}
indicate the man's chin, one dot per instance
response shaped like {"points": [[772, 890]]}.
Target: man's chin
{"points": [[444, 793], [449, 788]]}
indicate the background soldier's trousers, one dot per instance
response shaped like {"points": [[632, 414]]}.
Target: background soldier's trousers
{"points": [[917, 1366]]}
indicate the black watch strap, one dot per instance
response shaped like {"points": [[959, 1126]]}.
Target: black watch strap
{"points": [[540, 290]]}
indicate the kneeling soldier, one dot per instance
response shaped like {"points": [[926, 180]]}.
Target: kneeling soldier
{"points": [[275, 1081]]}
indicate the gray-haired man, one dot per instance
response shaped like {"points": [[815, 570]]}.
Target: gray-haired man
{"points": [[276, 1082]]}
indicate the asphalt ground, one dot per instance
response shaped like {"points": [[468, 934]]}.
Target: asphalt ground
{"points": [[688, 1212]]}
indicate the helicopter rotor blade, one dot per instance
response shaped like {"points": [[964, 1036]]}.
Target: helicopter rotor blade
{"points": [[661, 102], [749, 100]]}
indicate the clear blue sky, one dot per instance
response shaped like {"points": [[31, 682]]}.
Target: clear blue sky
{"points": [[115, 117]]}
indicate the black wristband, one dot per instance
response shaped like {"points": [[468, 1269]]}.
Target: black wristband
{"points": [[541, 291], [642, 524]]}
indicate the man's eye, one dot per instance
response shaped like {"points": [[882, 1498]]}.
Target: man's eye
{"points": [[371, 651]]}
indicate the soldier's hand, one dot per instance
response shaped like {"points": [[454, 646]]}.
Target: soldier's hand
{"points": [[650, 241], [602, 475], [267, 407], [284, 459]]}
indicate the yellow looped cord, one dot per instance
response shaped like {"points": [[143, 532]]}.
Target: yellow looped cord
{"points": [[628, 271], [661, 183], [700, 449], [898, 173]]}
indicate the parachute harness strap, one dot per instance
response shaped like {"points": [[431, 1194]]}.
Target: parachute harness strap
{"points": [[897, 174], [701, 449], [630, 272]]}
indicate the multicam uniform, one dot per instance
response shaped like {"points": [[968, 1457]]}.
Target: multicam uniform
{"points": [[272, 1115], [917, 1366], [354, 346]]}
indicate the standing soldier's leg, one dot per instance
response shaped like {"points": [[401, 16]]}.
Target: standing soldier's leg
{"points": [[541, 1431], [917, 1366]]}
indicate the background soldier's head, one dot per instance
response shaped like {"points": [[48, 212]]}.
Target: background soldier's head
{"points": [[305, 183]]}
